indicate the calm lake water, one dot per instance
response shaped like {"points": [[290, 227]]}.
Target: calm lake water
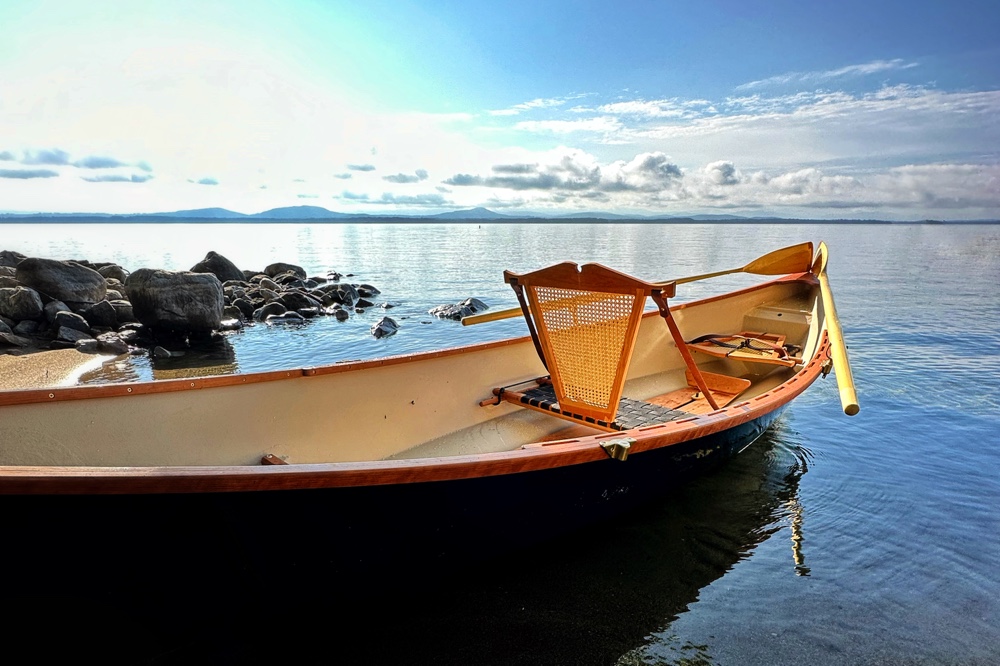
{"points": [[872, 539]]}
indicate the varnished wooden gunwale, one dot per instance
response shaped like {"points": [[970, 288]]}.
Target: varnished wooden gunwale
{"points": [[50, 480]]}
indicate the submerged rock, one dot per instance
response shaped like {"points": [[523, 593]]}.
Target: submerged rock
{"points": [[466, 308], [385, 327]]}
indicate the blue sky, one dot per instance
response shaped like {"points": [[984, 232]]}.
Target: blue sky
{"points": [[851, 109]]}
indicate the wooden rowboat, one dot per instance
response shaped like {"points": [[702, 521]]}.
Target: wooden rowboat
{"points": [[603, 407]]}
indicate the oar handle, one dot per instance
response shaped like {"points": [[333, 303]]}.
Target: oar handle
{"points": [[841, 365], [496, 315]]}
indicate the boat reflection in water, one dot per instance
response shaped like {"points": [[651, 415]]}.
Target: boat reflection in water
{"points": [[601, 596]]}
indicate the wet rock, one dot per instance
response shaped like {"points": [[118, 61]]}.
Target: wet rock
{"points": [[8, 282], [364, 303], [218, 266], [20, 303], [466, 308], [11, 258], [278, 268], [308, 313], [286, 318], [8, 271], [112, 343], [385, 326], [268, 310], [231, 324], [113, 272], [67, 281], [295, 300], [341, 315], [367, 291], [162, 353], [175, 301], [90, 346]]}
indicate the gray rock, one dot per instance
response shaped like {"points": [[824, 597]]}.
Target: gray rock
{"points": [[54, 307], [308, 313], [163, 352], [268, 283], [279, 268], [115, 295], [11, 258], [268, 310], [231, 324], [13, 340], [341, 315], [176, 301], [112, 343], [113, 272], [123, 311], [101, 314], [466, 308], [385, 327], [367, 291], [71, 335], [245, 306], [218, 266], [66, 281], [364, 303], [286, 318], [90, 346], [70, 320], [9, 282], [4, 327], [232, 312], [295, 300], [26, 327], [20, 303], [8, 271]]}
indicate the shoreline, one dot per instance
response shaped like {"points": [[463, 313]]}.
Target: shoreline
{"points": [[47, 368]]}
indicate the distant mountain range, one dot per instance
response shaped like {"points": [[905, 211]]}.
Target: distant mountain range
{"points": [[318, 213]]}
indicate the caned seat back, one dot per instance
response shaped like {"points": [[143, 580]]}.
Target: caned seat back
{"points": [[585, 321]]}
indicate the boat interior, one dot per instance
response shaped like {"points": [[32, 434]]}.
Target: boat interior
{"points": [[612, 367]]}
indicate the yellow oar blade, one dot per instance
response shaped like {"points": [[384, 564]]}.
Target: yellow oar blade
{"points": [[791, 259], [841, 364]]}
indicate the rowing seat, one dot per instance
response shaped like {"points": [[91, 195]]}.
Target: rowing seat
{"points": [[584, 321]]}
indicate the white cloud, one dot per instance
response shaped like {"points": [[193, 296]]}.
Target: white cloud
{"points": [[864, 69]]}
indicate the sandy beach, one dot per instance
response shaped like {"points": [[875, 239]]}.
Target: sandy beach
{"points": [[62, 367]]}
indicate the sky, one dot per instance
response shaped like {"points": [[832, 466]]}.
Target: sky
{"points": [[873, 109]]}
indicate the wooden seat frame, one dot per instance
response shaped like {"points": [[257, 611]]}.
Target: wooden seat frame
{"points": [[590, 302]]}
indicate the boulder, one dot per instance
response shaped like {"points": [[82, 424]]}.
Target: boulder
{"points": [[101, 314], [11, 258], [7, 281], [113, 272], [385, 326], [289, 317], [8, 271], [367, 291], [66, 281], [176, 301], [13, 340], [71, 335], [70, 320], [279, 268], [273, 308], [19, 303], [123, 311], [296, 300], [218, 266]]}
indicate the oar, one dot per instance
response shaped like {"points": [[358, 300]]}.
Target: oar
{"points": [[841, 364], [792, 259]]}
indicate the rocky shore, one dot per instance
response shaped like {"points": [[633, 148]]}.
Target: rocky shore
{"points": [[103, 308]]}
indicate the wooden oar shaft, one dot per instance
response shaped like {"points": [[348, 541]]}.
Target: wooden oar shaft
{"points": [[793, 259], [841, 366]]}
